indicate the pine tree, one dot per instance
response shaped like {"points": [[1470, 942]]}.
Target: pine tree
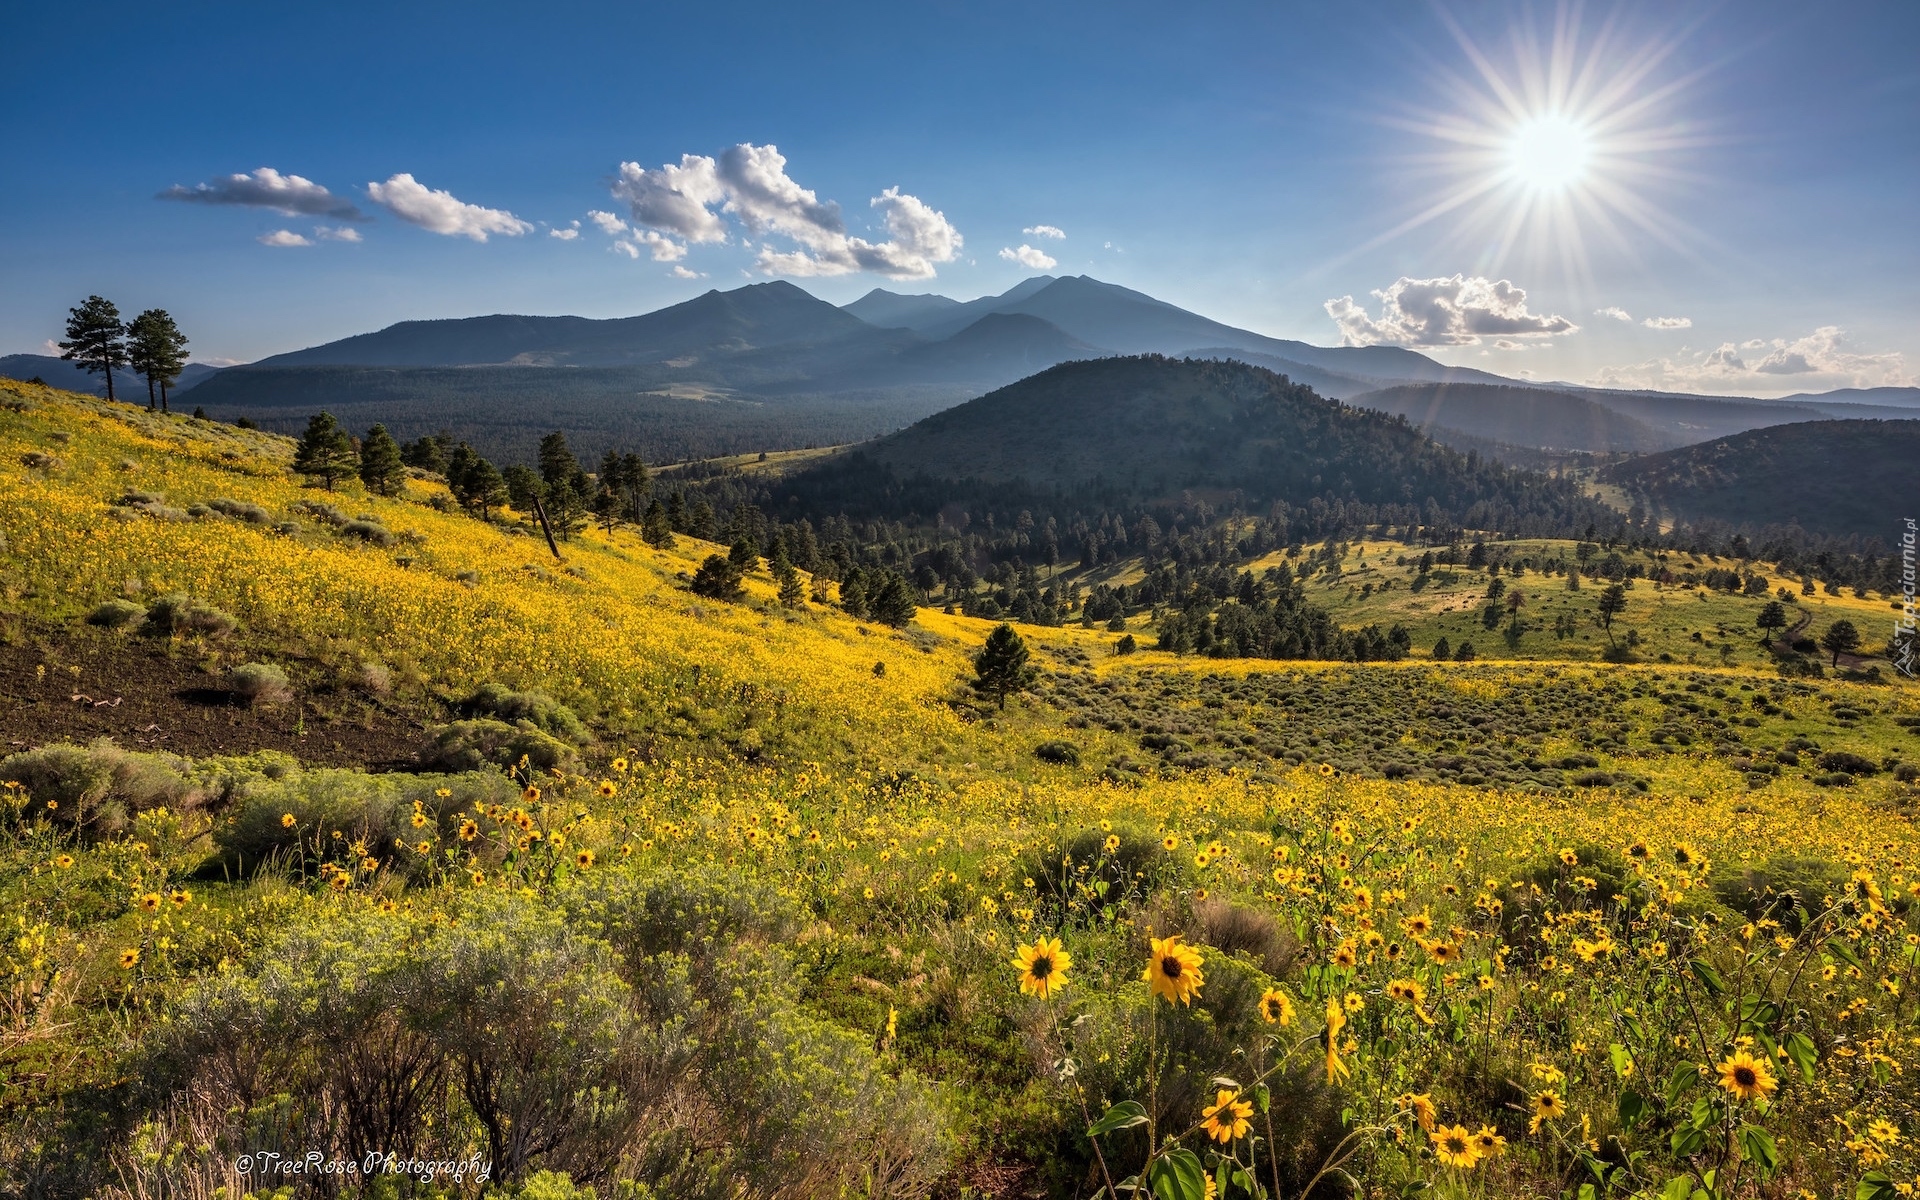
{"points": [[1773, 615], [380, 466], [718, 578], [481, 487], [1001, 667], [325, 450], [655, 529], [158, 350], [96, 340], [557, 463], [1613, 602], [792, 593], [892, 604], [1840, 638], [635, 483], [607, 505]]}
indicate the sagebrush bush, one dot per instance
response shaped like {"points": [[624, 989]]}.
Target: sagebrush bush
{"points": [[371, 810], [540, 710], [368, 531], [252, 514], [481, 742], [176, 614], [94, 789], [260, 683], [116, 614]]}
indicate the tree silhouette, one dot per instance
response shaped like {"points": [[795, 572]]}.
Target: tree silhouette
{"points": [[96, 340], [1840, 638], [1001, 667], [158, 350], [1613, 602], [718, 578], [1773, 615], [325, 451]]}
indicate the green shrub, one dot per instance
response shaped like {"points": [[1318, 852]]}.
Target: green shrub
{"points": [[116, 614], [1787, 887], [482, 742], [1065, 754], [372, 810], [252, 514], [368, 531], [260, 683], [177, 613], [94, 789], [538, 709]]}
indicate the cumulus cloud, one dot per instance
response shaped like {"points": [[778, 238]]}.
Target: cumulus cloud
{"points": [[680, 272], [1045, 231], [1819, 361], [282, 237], [337, 233], [1027, 256], [1668, 322], [1455, 311], [439, 212], [1614, 311], [632, 242], [567, 234], [288, 195], [691, 200]]}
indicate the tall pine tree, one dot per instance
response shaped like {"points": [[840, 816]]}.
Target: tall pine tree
{"points": [[158, 350], [96, 340], [325, 451], [380, 466]]}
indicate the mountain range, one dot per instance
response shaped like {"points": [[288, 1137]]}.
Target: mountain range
{"points": [[768, 366]]}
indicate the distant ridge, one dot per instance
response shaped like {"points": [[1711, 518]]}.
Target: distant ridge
{"points": [[1520, 416], [60, 373]]}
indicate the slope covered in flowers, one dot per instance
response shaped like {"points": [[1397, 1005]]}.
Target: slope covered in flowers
{"points": [[781, 929]]}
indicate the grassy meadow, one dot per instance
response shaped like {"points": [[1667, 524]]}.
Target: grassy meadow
{"points": [[685, 898]]}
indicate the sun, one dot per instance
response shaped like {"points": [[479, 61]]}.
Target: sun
{"points": [[1548, 153]]}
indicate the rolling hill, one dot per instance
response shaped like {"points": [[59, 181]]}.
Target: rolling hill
{"points": [[1146, 429], [1522, 416], [1839, 478]]}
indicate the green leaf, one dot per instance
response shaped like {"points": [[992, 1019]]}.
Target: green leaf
{"points": [[1706, 1113], [1687, 1141], [1800, 1049], [1844, 951], [1684, 1076], [1874, 1186], [1177, 1175], [1677, 1188], [1124, 1115], [1756, 1145], [1262, 1098], [1633, 1106], [1622, 1060], [1709, 978]]}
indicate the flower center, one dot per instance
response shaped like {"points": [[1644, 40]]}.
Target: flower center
{"points": [[1042, 967], [1171, 968], [1745, 1077]]}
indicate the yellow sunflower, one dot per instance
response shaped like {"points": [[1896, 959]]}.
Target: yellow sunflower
{"points": [[1276, 1007], [1455, 1147], [1174, 970], [1336, 1021], [129, 959], [1489, 1141], [1042, 966], [583, 859], [1547, 1106], [1227, 1117], [1747, 1077]]}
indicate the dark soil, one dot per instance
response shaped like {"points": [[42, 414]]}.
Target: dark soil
{"points": [[61, 683]]}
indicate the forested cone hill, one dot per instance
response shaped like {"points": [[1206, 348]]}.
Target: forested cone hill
{"points": [[1832, 478], [1520, 416], [1121, 432]]}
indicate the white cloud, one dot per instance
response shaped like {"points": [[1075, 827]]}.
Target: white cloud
{"points": [[568, 234], [1819, 361], [288, 195], [336, 233], [439, 212], [1045, 231], [1614, 311], [51, 347], [608, 223], [1027, 256], [1455, 311], [282, 237], [1668, 322], [690, 200], [680, 272]]}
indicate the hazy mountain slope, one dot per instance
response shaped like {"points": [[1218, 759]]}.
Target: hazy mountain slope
{"points": [[58, 372], [1521, 416], [1831, 477], [756, 316], [893, 310], [1898, 397], [1688, 419], [1331, 384]]}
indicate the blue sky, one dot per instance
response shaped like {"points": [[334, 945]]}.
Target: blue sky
{"points": [[1758, 165]]}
